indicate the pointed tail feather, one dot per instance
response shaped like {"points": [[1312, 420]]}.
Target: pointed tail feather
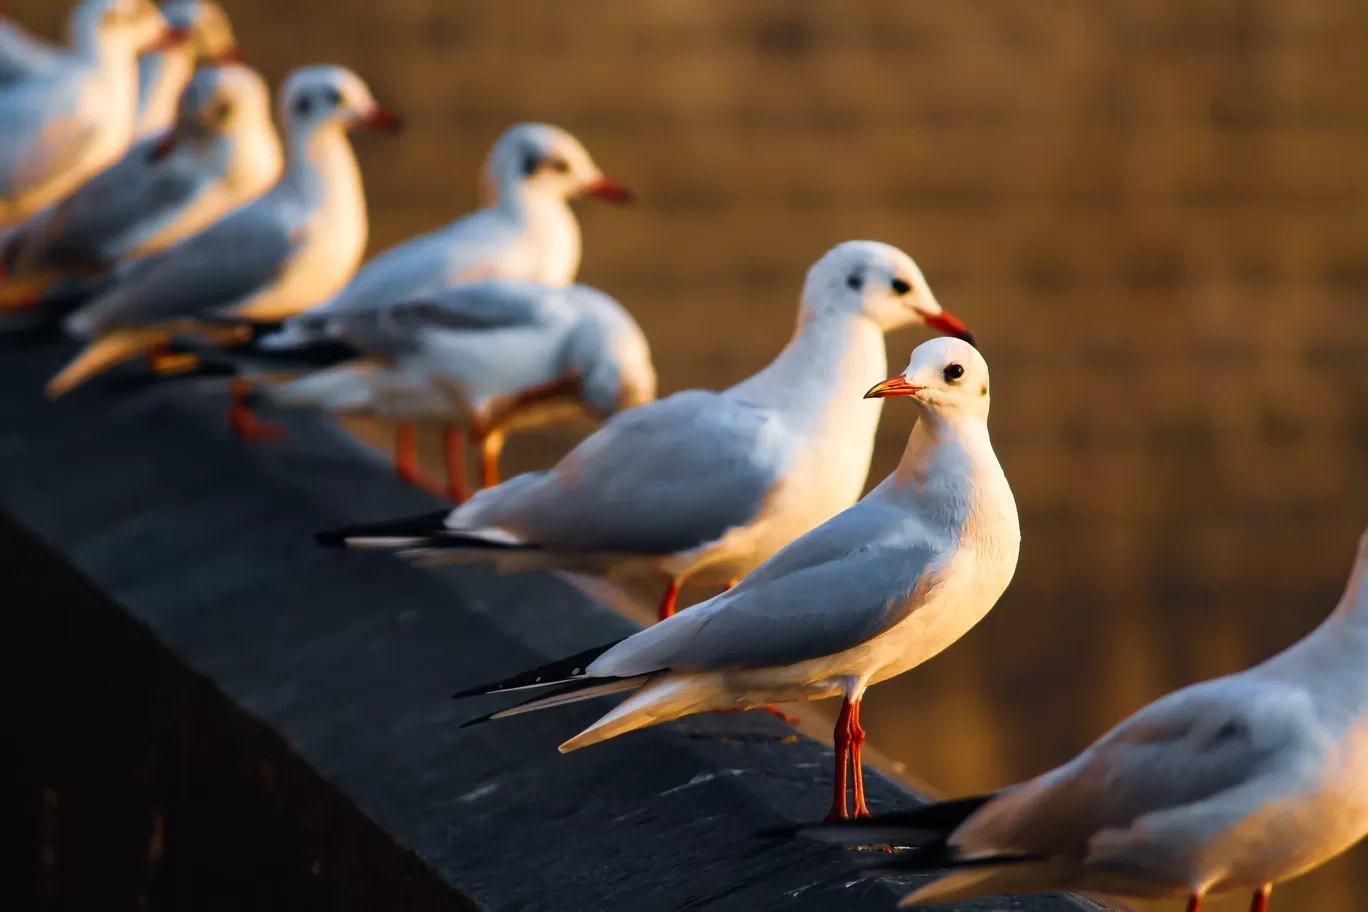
{"points": [[573, 692]]}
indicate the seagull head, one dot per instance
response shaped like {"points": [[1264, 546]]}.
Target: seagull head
{"points": [[880, 282], [318, 96], [135, 24], [210, 33], [946, 376], [216, 102], [542, 160]]}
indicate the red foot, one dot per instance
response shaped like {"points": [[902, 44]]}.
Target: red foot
{"points": [[667, 604], [251, 428]]}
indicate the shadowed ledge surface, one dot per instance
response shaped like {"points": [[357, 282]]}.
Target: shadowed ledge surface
{"points": [[216, 712]]}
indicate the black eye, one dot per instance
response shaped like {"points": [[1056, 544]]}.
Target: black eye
{"points": [[953, 372], [900, 287], [303, 105], [855, 281], [557, 164], [332, 97]]}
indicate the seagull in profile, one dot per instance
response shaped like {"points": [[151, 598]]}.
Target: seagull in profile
{"points": [[1233, 784]]}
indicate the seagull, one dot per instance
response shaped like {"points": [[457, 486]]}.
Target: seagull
{"points": [[491, 356], [703, 486], [222, 152], [164, 75], [876, 590], [59, 128], [528, 232], [291, 247], [1237, 783]]}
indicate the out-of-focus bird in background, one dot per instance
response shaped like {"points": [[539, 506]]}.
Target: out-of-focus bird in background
{"points": [[60, 126], [278, 255], [1238, 783], [527, 232], [876, 590], [163, 75], [489, 356], [704, 486], [222, 152]]}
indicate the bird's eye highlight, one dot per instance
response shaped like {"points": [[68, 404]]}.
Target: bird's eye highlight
{"points": [[855, 281], [953, 372], [900, 287]]}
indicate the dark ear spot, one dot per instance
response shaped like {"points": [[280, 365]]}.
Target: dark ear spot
{"points": [[303, 105], [855, 281], [531, 162]]}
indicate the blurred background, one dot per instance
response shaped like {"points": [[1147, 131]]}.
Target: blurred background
{"points": [[1152, 212]]}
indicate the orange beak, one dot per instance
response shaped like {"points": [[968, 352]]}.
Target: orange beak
{"points": [[173, 36], [950, 325], [382, 120], [608, 189], [894, 386]]}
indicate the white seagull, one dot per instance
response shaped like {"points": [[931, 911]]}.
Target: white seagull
{"points": [[872, 592], [162, 76], [489, 356], [293, 246], [528, 232], [59, 128], [703, 486], [222, 152], [1238, 783]]}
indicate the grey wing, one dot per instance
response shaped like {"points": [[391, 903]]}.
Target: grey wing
{"points": [[657, 479], [840, 590], [1187, 765], [393, 328], [93, 224], [216, 269]]}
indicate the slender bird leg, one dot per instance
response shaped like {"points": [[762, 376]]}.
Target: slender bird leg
{"points": [[1260, 903], [453, 446], [842, 739], [1195, 903], [857, 737], [667, 602], [491, 446], [241, 419], [406, 459]]}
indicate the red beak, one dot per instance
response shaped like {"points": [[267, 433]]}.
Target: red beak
{"points": [[173, 36], [608, 189], [894, 386], [232, 55], [950, 325], [382, 120], [163, 146]]}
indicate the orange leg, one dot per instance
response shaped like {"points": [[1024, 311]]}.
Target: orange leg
{"points": [[453, 446], [240, 418], [667, 604], [857, 737], [406, 459], [842, 739], [491, 447], [1194, 904], [1260, 903]]}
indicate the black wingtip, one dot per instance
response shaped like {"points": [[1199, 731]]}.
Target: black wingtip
{"points": [[407, 527], [478, 720], [558, 672]]}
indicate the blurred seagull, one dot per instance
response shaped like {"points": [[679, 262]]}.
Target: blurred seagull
{"points": [[703, 486], [163, 76], [1238, 783], [294, 245], [874, 591], [490, 356], [60, 127], [528, 232], [222, 152]]}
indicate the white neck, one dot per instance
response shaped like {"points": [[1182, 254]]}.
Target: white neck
{"points": [[321, 171], [161, 79], [548, 225]]}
